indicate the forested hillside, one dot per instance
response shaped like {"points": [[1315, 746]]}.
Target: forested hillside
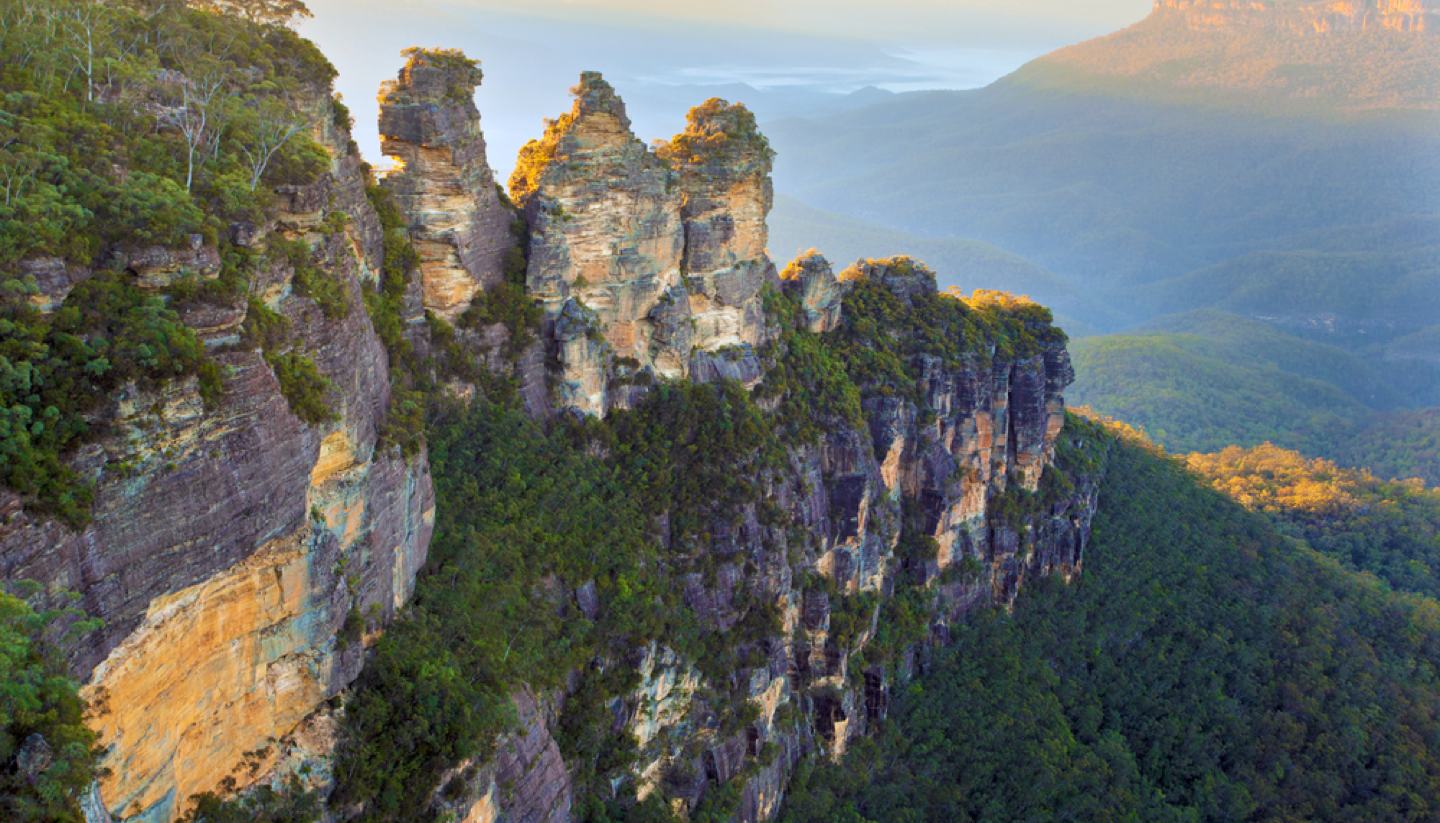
{"points": [[329, 495], [1220, 671], [1390, 529]]}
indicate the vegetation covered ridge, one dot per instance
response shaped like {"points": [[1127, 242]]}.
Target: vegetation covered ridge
{"points": [[1205, 667], [566, 551]]}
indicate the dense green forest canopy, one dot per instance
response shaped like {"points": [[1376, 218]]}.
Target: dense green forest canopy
{"points": [[1208, 379], [47, 754], [1205, 667], [1388, 528]]}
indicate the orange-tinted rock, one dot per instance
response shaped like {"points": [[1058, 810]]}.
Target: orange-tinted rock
{"points": [[442, 182], [724, 167], [218, 530]]}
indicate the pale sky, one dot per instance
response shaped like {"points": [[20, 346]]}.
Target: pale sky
{"points": [[783, 59], [927, 19]]}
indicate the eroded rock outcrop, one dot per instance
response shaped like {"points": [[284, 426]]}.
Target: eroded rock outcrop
{"points": [[723, 164], [665, 251], [810, 280], [1305, 16], [606, 241], [243, 558], [460, 228], [833, 534]]}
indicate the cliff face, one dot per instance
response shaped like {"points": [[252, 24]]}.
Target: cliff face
{"points": [[831, 547], [723, 164], [237, 555], [243, 559], [430, 127]]}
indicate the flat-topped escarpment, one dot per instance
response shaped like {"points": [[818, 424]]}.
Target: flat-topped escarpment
{"points": [[1305, 54], [1305, 16]]}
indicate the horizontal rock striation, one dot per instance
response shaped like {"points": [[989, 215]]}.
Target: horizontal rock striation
{"points": [[1309, 56], [723, 164], [237, 555], [242, 559], [830, 542], [1306, 16]]}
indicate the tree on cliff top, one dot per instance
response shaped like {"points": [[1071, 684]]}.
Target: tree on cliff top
{"points": [[268, 12]]}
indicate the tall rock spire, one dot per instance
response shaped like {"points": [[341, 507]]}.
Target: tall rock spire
{"points": [[606, 247], [724, 164], [647, 261], [460, 227]]}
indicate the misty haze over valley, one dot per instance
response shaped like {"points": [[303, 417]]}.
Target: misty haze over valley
{"points": [[651, 411]]}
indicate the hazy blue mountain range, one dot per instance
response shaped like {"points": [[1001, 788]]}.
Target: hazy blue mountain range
{"points": [[1275, 168]]}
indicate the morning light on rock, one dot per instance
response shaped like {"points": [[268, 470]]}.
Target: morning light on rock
{"points": [[624, 411]]}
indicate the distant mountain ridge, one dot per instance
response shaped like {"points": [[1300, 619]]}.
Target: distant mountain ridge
{"points": [[1305, 17], [1348, 54], [1245, 194]]}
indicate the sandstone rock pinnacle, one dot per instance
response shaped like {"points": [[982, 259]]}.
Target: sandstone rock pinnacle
{"points": [[429, 125], [724, 164]]}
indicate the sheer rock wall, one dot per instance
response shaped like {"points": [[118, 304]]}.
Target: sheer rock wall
{"points": [[238, 556]]}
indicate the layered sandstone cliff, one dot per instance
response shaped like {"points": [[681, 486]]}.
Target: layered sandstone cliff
{"points": [[243, 559], [1306, 54], [1305, 16], [723, 164], [237, 555], [830, 540]]}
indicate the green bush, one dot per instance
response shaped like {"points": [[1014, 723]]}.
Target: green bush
{"points": [[305, 389], [263, 804], [807, 378], [310, 280], [56, 369], [40, 705], [511, 306]]}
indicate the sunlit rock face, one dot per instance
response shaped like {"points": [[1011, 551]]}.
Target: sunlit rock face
{"points": [[724, 164], [665, 251], [811, 280], [991, 424], [238, 556], [823, 551], [1309, 55], [606, 234], [1306, 16], [430, 127]]}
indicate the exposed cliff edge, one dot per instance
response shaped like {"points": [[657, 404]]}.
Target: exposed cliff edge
{"points": [[646, 263], [1305, 16], [431, 129], [937, 494], [918, 432], [817, 476], [239, 556]]}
